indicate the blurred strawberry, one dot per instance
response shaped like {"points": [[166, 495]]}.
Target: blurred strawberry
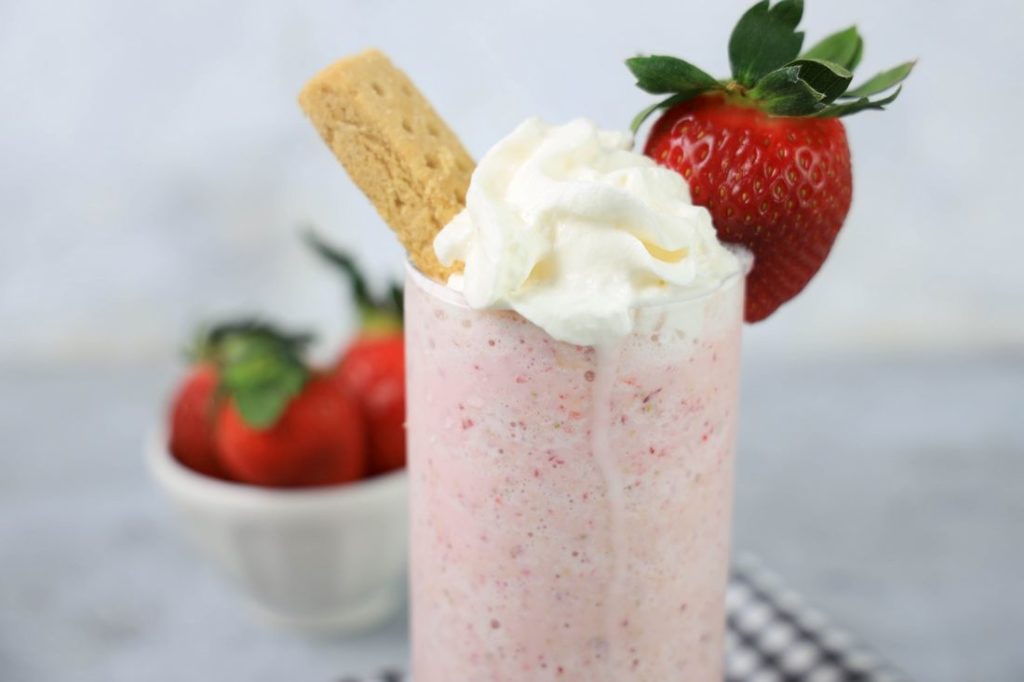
{"points": [[282, 425], [372, 367], [192, 422]]}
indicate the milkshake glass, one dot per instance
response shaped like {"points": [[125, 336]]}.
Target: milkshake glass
{"points": [[570, 505]]}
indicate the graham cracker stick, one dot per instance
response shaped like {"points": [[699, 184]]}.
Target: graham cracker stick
{"points": [[394, 146]]}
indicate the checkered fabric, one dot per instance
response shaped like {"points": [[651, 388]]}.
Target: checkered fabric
{"points": [[773, 636]]}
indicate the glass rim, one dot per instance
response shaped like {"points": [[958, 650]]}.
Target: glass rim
{"points": [[458, 299]]}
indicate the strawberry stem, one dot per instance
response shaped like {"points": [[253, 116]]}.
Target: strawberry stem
{"points": [[770, 73], [735, 88], [376, 315], [260, 367]]}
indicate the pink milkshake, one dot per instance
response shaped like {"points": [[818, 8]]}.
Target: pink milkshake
{"points": [[570, 505], [571, 440]]}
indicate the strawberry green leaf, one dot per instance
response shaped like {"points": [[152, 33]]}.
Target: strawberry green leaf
{"points": [[883, 81], [765, 38], [842, 47], [370, 307], [768, 71], [639, 119], [256, 328], [783, 93], [660, 75], [397, 295], [261, 369], [345, 263], [862, 104], [262, 406], [830, 79]]}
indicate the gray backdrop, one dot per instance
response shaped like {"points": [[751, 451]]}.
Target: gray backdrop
{"points": [[155, 163]]}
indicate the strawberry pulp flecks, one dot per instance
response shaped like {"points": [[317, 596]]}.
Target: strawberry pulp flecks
{"points": [[764, 150]]}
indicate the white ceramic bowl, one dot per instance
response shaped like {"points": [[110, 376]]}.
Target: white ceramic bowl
{"points": [[328, 558]]}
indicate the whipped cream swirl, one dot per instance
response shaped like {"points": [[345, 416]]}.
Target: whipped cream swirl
{"points": [[570, 228]]}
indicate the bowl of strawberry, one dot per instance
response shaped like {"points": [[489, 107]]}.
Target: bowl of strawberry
{"points": [[290, 478]]}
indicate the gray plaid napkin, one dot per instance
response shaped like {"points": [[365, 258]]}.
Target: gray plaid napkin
{"points": [[773, 636]]}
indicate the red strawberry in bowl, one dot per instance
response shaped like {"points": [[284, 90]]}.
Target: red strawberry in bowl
{"points": [[764, 151], [317, 440], [193, 413], [282, 424], [291, 442], [372, 366]]}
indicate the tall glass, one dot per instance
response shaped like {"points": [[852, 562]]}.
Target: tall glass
{"points": [[570, 506]]}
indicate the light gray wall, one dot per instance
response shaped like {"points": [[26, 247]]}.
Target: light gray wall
{"points": [[154, 164]]}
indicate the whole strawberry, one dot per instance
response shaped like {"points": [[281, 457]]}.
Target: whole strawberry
{"points": [[373, 369], [193, 413], [281, 424], [764, 150], [372, 366]]}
